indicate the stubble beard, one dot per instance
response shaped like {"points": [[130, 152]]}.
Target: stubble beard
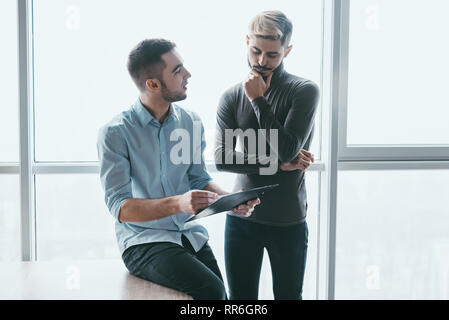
{"points": [[170, 96]]}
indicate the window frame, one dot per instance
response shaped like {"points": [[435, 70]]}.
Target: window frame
{"points": [[375, 152]]}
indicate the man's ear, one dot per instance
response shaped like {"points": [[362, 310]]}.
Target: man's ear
{"points": [[287, 51], [153, 84], [247, 40]]}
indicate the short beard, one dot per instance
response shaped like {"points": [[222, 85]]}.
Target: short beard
{"points": [[171, 96], [263, 76]]}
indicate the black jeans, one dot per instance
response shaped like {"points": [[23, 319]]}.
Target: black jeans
{"points": [[177, 267], [287, 250]]}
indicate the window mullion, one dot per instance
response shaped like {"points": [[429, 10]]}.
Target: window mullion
{"points": [[26, 131]]}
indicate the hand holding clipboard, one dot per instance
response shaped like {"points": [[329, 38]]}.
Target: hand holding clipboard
{"points": [[230, 201]]}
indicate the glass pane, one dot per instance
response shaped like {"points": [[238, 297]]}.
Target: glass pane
{"points": [[9, 106], [10, 218], [215, 225], [82, 82], [392, 235], [72, 220], [398, 70]]}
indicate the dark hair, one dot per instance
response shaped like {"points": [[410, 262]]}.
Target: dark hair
{"points": [[144, 60]]}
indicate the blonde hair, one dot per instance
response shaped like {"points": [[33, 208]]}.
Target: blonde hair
{"points": [[272, 25]]}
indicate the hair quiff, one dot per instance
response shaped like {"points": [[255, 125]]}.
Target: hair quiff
{"points": [[272, 25]]}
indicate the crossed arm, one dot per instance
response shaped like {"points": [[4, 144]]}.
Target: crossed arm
{"points": [[292, 135]]}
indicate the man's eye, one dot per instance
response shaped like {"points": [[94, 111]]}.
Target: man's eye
{"points": [[272, 55], [177, 71]]}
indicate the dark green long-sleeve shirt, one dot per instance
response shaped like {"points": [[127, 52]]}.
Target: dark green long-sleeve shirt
{"points": [[289, 106]]}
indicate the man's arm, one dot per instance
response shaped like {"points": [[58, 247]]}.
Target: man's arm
{"points": [[301, 162], [115, 177], [293, 135], [140, 210], [223, 151]]}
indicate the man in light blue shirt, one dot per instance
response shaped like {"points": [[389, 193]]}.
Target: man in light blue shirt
{"points": [[154, 177]]}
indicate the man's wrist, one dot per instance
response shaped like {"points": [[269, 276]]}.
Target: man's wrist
{"points": [[177, 203], [257, 97]]}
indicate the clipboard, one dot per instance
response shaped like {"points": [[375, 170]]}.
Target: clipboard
{"points": [[230, 201]]}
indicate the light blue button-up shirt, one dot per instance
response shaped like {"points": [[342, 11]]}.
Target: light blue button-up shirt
{"points": [[142, 158]]}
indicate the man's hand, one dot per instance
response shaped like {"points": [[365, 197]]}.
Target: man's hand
{"points": [[193, 201], [245, 210], [302, 162], [255, 86]]}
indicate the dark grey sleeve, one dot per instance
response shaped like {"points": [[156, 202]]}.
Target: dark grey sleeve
{"points": [[225, 154], [294, 134]]}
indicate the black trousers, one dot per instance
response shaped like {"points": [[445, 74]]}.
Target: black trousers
{"points": [[178, 267], [244, 246]]}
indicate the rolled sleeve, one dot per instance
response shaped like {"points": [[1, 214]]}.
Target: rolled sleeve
{"points": [[114, 169]]}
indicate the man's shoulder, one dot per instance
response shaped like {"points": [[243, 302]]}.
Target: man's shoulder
{"points": [[234, 90], [230, 95], [299, 84], [119, 122]]}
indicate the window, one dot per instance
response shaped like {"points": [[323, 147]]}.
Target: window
{"points": [[388, 216], [397, 73], [392, 239], [72, 220], [9, 218], [81, 80], [9, 135], [9, 121]]}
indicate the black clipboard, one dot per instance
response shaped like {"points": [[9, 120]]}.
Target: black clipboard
{"points": [[230, 201]]}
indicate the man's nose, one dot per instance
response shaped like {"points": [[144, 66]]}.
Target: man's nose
{"points": [[262, 60], [188, 75]]}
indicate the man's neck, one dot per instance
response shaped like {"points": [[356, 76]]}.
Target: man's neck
{"points": [[158, 107]]}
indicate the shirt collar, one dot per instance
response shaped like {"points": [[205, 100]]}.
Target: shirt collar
{"points": [[145, 117], [278, 72]]}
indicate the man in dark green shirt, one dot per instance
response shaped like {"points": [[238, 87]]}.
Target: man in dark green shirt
{"points": [[280, 108]]}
